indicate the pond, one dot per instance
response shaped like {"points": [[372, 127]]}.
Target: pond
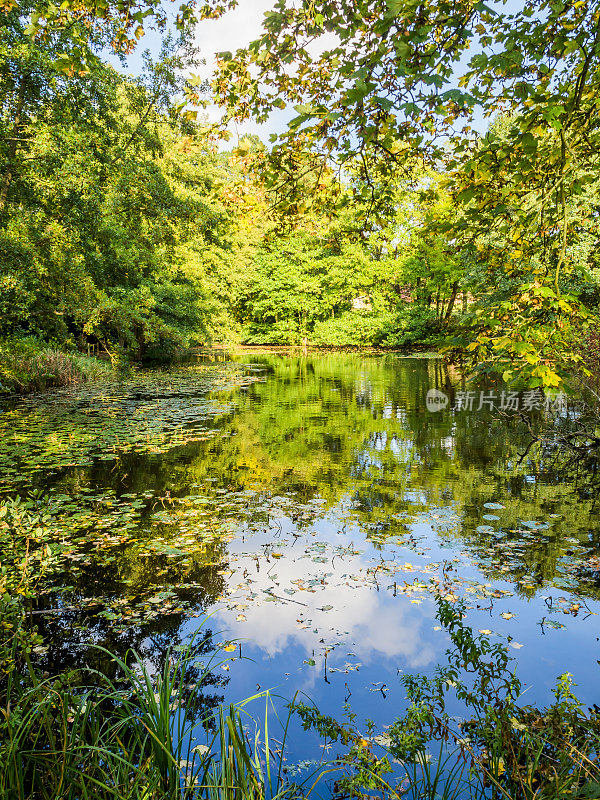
{"points": [[312, 506]]}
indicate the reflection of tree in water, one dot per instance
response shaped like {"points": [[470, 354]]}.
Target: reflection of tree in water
{"points": [[574, 452], [74, 636], [350, 431], [350, 426], [569, 451]]}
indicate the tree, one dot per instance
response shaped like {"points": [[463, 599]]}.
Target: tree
{"points": [[97, 216], [381, 82]]}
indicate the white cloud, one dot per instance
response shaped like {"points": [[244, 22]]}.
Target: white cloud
{"points": [[373, 623]]}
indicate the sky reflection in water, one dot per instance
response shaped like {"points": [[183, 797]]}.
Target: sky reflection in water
{"points": [[308, 504]]}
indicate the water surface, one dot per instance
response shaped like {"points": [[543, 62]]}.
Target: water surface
{"points": [[312, 506]]}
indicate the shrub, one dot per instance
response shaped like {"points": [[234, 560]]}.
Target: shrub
{"points": [[28, 364], [350, 329], [412, 324]]}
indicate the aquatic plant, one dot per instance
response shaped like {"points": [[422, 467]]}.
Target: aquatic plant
{"points": [[503, 748], [80, 734]]}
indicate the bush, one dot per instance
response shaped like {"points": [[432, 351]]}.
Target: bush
{"points": [[350, 329], [412, 324], [28, 364]]}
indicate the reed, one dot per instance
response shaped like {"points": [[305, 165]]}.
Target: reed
{"points": [[27, 365]]}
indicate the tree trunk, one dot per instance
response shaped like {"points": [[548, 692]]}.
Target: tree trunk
{"points": [[451, 301], [13, 144]]}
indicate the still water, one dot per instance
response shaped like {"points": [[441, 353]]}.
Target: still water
{"points": [[312, 506]]}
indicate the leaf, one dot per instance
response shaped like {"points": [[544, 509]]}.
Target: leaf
{"points": [[395, 7], [305, 110], [590, 791]]}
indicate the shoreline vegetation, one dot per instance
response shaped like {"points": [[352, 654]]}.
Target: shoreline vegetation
{"points": [[29, 365], [130, 227]]}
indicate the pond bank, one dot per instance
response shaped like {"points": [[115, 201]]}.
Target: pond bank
{"points": [[28, 365]]}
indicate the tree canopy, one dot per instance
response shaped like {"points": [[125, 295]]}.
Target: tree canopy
{"points": [[437, 186], [383, 84]]}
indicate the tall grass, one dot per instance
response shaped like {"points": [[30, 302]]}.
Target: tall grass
{"points": [[27, 364], [84, 735], [135, 737]]}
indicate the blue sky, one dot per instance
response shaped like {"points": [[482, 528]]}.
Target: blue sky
{"points": [[236, 29]]}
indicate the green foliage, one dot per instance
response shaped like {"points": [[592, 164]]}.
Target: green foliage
{"points": [[413, 324], [390, 87], [503, 749], [349, 329], [29, 364], [123, 227], [82, 733], [106, 198]]}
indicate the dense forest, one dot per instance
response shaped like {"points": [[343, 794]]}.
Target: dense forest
{"points": [[132, 228]]}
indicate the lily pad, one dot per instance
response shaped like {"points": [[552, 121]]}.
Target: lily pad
{"points": [[484, 529]]}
